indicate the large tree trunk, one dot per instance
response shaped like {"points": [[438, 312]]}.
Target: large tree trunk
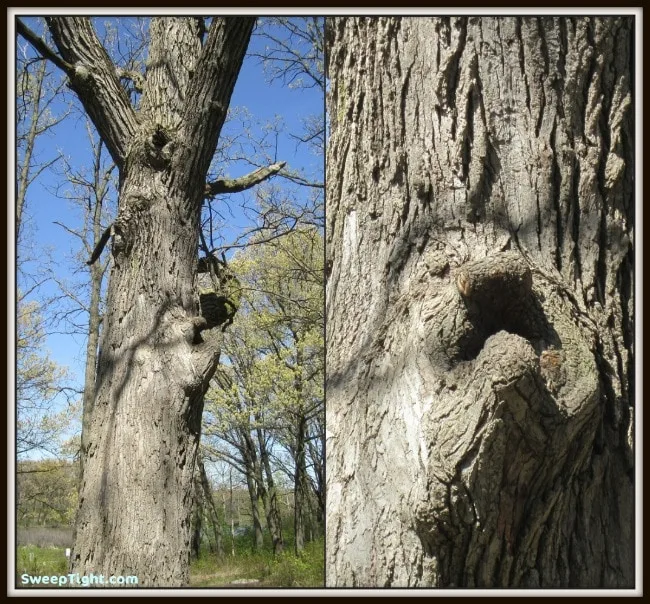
{"points": [[136, 494], [480, 302]]}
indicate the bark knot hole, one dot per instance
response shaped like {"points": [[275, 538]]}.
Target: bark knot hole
{"points": [[497, 295]]}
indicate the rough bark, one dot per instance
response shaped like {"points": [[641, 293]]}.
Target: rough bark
{"points": [[136, 494], [480, 302]]}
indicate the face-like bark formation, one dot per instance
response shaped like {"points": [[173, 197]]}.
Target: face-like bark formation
{"points": [[479, 303]]}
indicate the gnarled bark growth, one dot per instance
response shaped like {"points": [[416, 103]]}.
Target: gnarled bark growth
{"points": [[480, 303]]}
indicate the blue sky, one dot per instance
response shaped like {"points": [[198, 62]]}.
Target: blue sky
{"points": [[264, 101]]}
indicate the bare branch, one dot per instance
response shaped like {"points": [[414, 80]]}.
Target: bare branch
{"points": [[299, 180], [94, 79], [72, 232], [236, 185], [134, 76], [212, 87], [43, 48], [101, 244]]}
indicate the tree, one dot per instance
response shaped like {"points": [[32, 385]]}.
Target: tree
{"points": [[205, 516], [39, 427], [47, 493], [94, 197], [287, 276], [480, 309], [34, 118], [270, 395], [156, 357]]}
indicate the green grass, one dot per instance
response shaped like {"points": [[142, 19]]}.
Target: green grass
{"points": [[262, 569], [39, 562]]}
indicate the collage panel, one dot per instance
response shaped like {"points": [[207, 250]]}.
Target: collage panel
{"points": [[480, 302], [169, 228]]}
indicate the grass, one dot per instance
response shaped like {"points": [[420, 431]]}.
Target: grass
{"points": [[40, 562], [258, 569], [252, 569]]}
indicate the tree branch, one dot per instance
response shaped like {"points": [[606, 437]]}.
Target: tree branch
{"points": [[209, 92], [94, 80], [236, 185], [43, 48], [101, 244], [134, 76]]}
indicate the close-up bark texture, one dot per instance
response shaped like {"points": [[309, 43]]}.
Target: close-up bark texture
{"points": [[480, 308]]}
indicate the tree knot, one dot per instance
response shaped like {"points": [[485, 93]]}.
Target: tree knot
{"points": [[153, 146]]}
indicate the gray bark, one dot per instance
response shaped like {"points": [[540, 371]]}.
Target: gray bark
{"points": [[480, 311], [136, 494]]}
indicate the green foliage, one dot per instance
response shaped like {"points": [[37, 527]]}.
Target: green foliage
{"points": [[277, 337], [46, 493], [38, 380], [262, 569], [305, 570], [37, 374], [269, 403]]}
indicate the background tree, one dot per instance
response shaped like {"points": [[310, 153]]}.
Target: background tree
{"points": [[40, 427], [41, 423], [47, 493], [246, 422], [92, 191], [270, 395], [205, 515], [155, 358], [480, 308], [35, 94]]}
